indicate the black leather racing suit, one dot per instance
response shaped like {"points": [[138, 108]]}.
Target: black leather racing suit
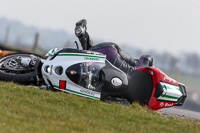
{"points": [[113, 52]]}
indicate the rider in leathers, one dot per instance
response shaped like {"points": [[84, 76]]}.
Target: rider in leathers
{"points": [[113, 53]]}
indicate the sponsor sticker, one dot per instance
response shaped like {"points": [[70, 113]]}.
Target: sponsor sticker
{"points": [[87, 92], [169, 105], [162, 104], [91, 58], [169, 79]]}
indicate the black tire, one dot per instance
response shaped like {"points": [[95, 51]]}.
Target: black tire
{"points": [[22, 75], [140, 87]]}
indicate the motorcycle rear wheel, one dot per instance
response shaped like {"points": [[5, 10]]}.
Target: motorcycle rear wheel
{"points": [[12, 70]]}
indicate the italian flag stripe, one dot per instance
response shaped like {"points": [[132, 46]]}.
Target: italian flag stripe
{"points": [[167, 87], [77, 92], [167, 96], [81, 55]]}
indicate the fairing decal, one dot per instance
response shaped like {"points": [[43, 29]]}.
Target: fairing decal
{"points": [[171, 92], [85, 55], [95, 95]]}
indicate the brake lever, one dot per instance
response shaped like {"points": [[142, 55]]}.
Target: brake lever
{"points": [[76, 44]]}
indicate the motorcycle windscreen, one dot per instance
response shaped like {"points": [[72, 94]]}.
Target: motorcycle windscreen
{"points": [[86, 74]]}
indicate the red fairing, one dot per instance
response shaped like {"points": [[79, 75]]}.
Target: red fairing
{"points": [[157, 76]]}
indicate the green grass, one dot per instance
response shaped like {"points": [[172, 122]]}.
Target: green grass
{"points": [[27, 109], [189, 80], [191, 83]]}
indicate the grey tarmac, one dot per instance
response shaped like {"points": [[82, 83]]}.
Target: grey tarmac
{"points": [[181, 113]]}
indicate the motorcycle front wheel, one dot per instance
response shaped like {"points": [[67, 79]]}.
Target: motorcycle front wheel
{"points": [[11, 69]]}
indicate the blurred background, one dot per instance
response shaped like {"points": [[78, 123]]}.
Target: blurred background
{"points": [[169, 30]]}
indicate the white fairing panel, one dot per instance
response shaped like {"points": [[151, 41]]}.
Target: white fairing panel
{"points": [[54, 71]]}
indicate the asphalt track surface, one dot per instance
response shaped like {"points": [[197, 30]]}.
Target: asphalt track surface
{"points": [[181, 113]]}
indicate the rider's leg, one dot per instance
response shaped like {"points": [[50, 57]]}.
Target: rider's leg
{"points": [[113, 53], [114, 57]]}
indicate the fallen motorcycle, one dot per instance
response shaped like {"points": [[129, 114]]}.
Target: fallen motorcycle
{"points": [[90, 74]]}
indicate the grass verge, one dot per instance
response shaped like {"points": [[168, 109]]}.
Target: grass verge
{"points": [[27, 109]]}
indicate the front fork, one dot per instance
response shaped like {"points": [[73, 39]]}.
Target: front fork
{"points": [[34, 61], [38, 73], [28, 61]]}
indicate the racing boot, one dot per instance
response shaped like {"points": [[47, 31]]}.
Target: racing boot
{"points": [[83, 36], [81, 27], [144, 61]]}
